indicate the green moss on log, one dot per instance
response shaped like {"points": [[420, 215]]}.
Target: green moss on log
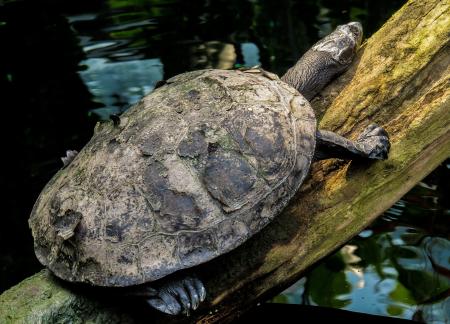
{"points": [[401, 80], [41, 299]]}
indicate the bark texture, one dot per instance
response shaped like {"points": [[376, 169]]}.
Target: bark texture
{"points": [[401, 81]]}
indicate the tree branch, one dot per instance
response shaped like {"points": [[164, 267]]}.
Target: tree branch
{"points": [[401, 80]]}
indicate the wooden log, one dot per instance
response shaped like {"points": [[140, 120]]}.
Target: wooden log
{"points": [[400, 80]]}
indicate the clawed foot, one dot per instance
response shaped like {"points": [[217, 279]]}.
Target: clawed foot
{"points": [[179, 296], [374, 141], [70, 155]]}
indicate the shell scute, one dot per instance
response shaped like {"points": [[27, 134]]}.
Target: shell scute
{"points": [[195, 169]]}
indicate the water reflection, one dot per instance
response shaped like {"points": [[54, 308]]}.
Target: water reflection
{"points": [[399, 267], [117, 85], [250, 53]]}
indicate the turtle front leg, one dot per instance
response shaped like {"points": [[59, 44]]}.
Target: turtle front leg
{"points": [[372, 143], [178, 296]]}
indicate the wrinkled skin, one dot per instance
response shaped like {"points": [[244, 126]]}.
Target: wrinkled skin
{"points": [[329, 57]]}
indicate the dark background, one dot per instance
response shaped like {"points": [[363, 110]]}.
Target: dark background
{"points": [[47, 107]]}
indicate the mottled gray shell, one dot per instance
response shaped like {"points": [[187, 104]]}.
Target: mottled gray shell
{"points": [[190, 172]]}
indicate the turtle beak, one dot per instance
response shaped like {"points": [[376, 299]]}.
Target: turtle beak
{"points": [[356, 29], [343, 43]]}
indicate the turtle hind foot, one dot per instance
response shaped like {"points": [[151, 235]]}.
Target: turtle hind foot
{"points": [[374, 142], [179, 296], [70, 155]]}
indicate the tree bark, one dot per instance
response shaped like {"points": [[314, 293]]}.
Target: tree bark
{"points": [[400, 80]]}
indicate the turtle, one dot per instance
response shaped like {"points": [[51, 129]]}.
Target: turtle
{"points": [[189, 173]]}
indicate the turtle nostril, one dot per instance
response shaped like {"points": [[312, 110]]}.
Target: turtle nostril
{"points": [[356, 29], [355, 25]]}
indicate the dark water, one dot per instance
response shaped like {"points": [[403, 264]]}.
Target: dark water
{"points": [[66, 64], [399, 266]]}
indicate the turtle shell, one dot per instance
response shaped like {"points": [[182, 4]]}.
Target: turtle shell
{"points": [[187, 174]]}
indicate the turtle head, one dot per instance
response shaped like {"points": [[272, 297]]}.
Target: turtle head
{"points": [[325, 60], [342, 43]]}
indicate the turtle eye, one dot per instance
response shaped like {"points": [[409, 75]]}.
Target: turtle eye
{"points": [[357, 31]]}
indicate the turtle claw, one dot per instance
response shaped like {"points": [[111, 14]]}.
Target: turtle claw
{"points": [[183, 298], [70, 155], [165, 303], [179, 296], [200, 289], [374, 142]]}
